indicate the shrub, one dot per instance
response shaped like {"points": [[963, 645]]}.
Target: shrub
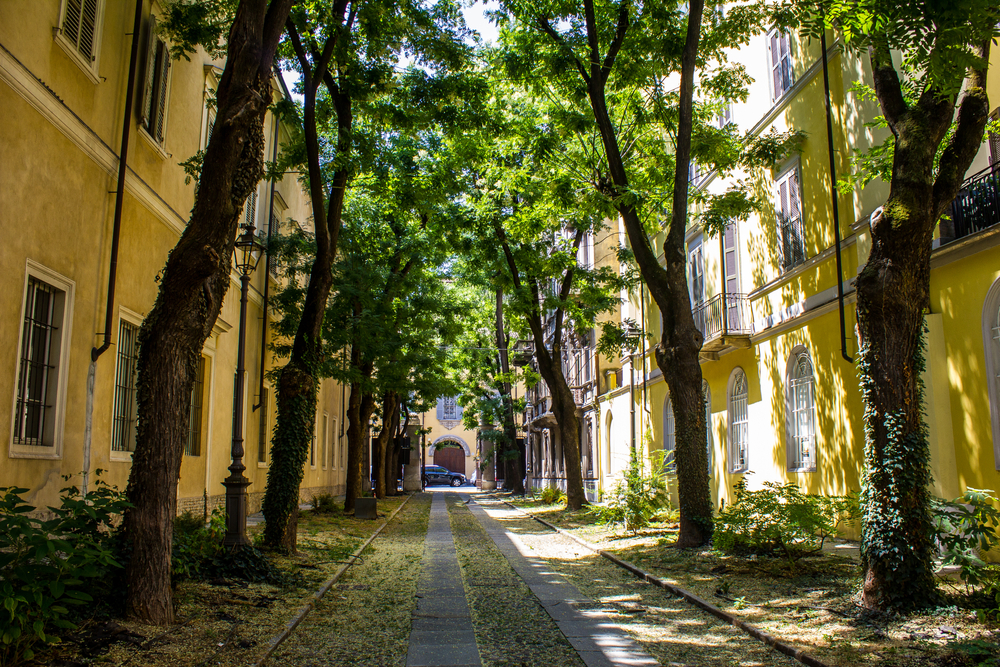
{"points": [[636, 499], [780, 519], [552, 495], [965, 528], [196, 543], [49, 566], [325, 503]]}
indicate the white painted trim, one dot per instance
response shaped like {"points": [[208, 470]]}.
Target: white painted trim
{"points": [[789, 426], [91, 69], [50, 107], [990, 306], [68, 287], [730, 449]]}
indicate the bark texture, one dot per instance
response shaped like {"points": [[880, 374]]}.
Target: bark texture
{"points": [[359, 410], [298, 383], [193, 286], [513, 479], [893, 293], [677, 353], [381, 453]]}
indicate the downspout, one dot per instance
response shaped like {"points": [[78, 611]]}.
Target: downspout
{"points": [[833, 197], [267, 267], [96, 352]]}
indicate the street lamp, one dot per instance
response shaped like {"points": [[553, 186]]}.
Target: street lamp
{"points": [[246, 255]]}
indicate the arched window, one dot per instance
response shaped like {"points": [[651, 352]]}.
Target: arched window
{"points": [[669, 435], [739, 432], [991, 345], [801, 412]]}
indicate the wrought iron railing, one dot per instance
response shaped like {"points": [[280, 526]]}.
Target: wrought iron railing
{"points": [[714, 320], [977, 205]]}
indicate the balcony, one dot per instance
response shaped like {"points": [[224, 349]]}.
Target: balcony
{"points": [[723, 326], [976, 207]]}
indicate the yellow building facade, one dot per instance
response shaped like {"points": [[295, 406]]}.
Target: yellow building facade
{"points": [[63, 78], [781, 388]]}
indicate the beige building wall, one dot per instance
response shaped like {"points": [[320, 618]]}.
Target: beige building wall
{"points": [[58, 167]]}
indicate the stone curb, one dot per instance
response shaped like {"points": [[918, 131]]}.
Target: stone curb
{"points": [[704, 605], [318, 595]]}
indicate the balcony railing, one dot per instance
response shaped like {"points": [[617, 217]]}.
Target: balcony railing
{"points": [[715, 320], [976, 207]]}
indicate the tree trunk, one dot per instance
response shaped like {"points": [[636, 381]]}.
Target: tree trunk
{"points": [[677, 354], [293, 433], [893, 291], [359, 411], [381, 456], [513, 478], [194, 284], [296, 418], [568, 421]]}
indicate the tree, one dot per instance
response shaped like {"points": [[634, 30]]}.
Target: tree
{"points": [[361, 42], [525, 205], [192, 288], [944, 47], [623, 52]]}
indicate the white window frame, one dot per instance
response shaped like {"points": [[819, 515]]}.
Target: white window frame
{"points": [[696, 270], [65, 329], [786, 221], [669, 435], [991, 347], [325, 441], [738, 421], [706, 392], [799, 414], [134, 319], [777, 37], [148, 71], [72, 49]]}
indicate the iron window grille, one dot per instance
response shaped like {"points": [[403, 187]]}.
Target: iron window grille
{"points": [[263, 434], [193, 445], [37, 370], [669, 436], [125, 408], [803, 415], [739, 432]]}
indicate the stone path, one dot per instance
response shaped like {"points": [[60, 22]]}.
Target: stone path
{"points": [[443, 633], [442, 626]]}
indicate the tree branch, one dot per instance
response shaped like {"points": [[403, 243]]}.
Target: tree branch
{"points": [[616, 43], [546, 27], [887, 86]]}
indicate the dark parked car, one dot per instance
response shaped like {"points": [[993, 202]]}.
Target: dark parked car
{"points": [[441, 475]]}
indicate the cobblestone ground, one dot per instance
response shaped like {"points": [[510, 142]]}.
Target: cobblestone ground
{"points": [[533, 598]]}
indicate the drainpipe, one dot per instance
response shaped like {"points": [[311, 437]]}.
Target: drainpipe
{"points": [[833, 198], [96, 352], [267, 268]]}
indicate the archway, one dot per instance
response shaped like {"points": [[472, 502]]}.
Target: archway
{"points": [[450, 452]]}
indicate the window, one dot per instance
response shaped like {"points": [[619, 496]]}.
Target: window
{"points": [[79, 33], [263, 433], [696, 270], [706, 393], [801, 413], [994, 140], [991, 345], [125, 410], [725, 115], [41, 365], [193, 445], [250, 211], [792, 245], [448, 409], [669, 436], [156, 84], [780, 55], [739, 433], [312, 450], [324, 442]]}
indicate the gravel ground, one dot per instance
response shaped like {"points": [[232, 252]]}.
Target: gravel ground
{"points": [[669, 629], [511, 627], [365, 618]]}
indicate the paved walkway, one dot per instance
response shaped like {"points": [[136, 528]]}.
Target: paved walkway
{"points": [[442, 631], [443, 634]]}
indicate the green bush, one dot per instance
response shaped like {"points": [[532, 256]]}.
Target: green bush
{"points": [[552, 495], [780, 520], [325, 503], [965, 528], [49, 566], [196, 543], [636, 499]]}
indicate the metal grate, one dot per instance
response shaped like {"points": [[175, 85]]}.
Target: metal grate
{"points": [[193, 445], [262, 433], [738, 425], [801, 386], [36, 374], [126, 411]]}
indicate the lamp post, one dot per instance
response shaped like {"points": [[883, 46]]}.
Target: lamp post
{"points": [[246, 254]]}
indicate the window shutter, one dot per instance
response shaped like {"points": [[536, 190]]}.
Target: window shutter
{"points": [[71, 20], [440, 409], [88, 28], [147, 90], [161, 98], [994, 140], [776, 64], [250, 210]]}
